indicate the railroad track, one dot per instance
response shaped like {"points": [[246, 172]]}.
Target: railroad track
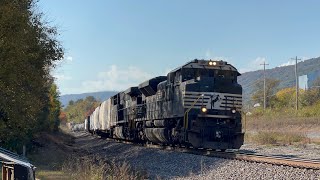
{"points": [[275, 160], [241, 156]]}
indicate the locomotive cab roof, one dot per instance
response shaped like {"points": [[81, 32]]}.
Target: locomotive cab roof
{"points": [[207, 64], [132, 91], [149, 87]]}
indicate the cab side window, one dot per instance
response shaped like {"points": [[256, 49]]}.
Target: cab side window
{"points": [[177, 78], [188, 74]]}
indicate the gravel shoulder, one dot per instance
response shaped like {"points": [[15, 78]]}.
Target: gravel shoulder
{"points": [[164, 164]]}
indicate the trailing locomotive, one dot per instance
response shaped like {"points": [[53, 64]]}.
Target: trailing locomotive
{"points": [[198, 105]]}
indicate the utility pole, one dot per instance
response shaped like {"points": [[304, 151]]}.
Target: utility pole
{"points": [[264, 86], [297, 82]]}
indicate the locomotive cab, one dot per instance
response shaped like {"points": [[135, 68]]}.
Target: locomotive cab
{"points": [[212, 102]]}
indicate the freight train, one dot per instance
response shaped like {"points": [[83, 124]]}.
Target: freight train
{"points": [[198, 104]]}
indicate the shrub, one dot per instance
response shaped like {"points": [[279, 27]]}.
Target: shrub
{"points": [[276, 138], [92, 168]]}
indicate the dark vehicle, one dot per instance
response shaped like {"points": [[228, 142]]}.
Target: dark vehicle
{"points": [[198, 105]]}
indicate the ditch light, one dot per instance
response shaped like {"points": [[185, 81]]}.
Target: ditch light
{"points": [[204, 110]]}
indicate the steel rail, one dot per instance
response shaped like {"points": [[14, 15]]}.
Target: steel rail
{"points": [[275, 160], [237, 155], [259, 158]]}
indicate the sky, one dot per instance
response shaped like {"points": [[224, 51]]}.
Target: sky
{"points": [[111, 45]]}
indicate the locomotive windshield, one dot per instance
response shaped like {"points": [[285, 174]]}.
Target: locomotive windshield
{"points": [[193, 73]]}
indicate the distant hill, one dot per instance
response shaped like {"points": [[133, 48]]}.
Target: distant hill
{"points": [[64, 99], [285, 74]]}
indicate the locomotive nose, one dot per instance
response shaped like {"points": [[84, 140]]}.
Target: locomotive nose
{"points": [[208, 101]]}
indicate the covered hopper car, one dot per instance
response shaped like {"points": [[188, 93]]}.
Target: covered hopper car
{"points": [[198, 104]]}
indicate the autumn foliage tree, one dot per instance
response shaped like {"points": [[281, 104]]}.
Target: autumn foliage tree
{"points": [[28, 52], [286, 97], [78, 110], [63, 117]]}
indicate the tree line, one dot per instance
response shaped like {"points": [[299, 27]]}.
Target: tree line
{"points": [[29, 50], [77, 111], [284, 98]]}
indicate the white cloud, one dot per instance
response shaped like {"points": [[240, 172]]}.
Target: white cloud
{"points": [[254, 65], [116, 79], [62, 77], [64, 61], [289, 63], [69, 59], [292, 62], [210, 55], [305, 58]]}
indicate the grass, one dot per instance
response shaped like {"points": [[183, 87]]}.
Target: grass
{"points": [[49, 155], [303, 112], [276, 128], [51, 151], [280, 120], [95, 167], [58, 158], [276, 138], [52, 175]]}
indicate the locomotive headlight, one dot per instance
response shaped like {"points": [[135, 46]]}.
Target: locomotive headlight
{"points": [[212, 63], [233, 111], [204, 110]]}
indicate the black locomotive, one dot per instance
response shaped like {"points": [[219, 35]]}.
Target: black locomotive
{"points": [[198, 104]]}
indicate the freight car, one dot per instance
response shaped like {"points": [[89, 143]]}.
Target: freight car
{"points": [[198, 104]]}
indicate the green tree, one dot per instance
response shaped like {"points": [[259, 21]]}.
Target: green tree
{"points": [[309, 97], [71, 103], [77, 111], [316, 83], [271, 89], [54, 108], [90, 99], [28, 50], [312, 95]]}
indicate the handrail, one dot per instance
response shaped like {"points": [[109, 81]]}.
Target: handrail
{"points": [[187, 111]]}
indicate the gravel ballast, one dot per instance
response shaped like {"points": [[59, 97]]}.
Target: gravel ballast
{"points": [[307, 151], [165, 164]]}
